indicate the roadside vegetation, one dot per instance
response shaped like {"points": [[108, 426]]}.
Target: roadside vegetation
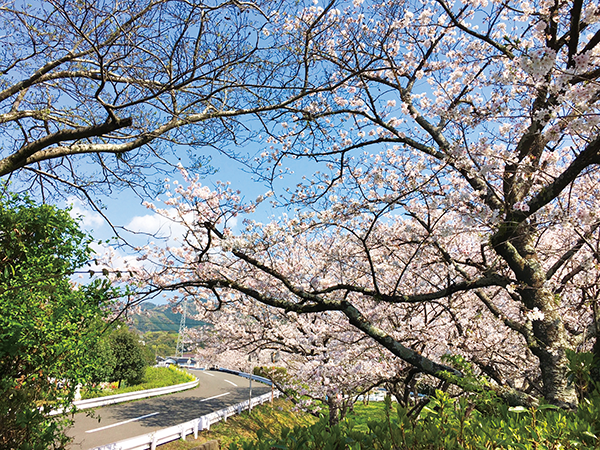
{"points": [[444, 425], [154, 377], [452, 419], [444, 422], [267, 420], [160, 343], [48, 327]]}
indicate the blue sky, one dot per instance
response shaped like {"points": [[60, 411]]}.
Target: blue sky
{"points": [[126, 209]]}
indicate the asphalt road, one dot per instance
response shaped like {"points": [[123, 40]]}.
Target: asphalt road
{"points": [[109, 424]]}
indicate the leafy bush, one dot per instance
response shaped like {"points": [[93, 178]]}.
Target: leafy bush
{"points": [[129, 357], [48, 325], [447, 424], [468, 422]]}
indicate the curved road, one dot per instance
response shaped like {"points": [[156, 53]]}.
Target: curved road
{"points": [[109, 424]]}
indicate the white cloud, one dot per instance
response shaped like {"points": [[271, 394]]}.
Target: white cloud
{"points": [[88, 217], [112, 258], [156, 225], [232, 223]]}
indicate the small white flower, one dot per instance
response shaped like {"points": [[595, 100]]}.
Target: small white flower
{"points": [[535, 314]]}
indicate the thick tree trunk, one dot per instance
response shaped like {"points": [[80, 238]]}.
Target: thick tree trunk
{"points": [[517, 247], [550, 351], [334, 411]]}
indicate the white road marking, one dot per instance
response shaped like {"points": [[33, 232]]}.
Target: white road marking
{"points": [[231, 382], [206, 373], [122, 423], [216, 396]]}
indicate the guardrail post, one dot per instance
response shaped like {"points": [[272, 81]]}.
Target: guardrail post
{"points": [[153, 443], [205, 424], [196, 422]]}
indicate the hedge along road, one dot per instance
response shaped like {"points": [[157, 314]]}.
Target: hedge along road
{"points": [[109, 424]]}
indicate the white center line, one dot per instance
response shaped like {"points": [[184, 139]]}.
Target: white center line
{"points": [[231, 382], [206, 373], [216, 396], [122, 423]]}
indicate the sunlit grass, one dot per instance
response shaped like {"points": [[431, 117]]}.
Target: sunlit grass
{"points": [[154, 377], [243, 427]]}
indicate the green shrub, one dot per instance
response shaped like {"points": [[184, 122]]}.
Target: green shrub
{"points": [[446, 424], [471, 421]]}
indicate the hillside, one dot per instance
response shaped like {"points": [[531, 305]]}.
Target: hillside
{"points": [[161, 318]]}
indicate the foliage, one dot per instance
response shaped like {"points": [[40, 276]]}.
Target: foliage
{"points": [[48, 326], [161, 343], [445, 423], [270, 419], [128, 354], [466, 422], [455, 209], [582, 367], [107, 360], [160, 318], [296, 390], [277, 374], [154, 377]]}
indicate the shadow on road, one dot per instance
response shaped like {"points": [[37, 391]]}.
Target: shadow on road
{"points": [[175, 410]]}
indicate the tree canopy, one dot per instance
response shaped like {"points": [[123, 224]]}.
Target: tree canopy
{"points": [[456, 209], [128, 355], [48, 326], [97, 96]]}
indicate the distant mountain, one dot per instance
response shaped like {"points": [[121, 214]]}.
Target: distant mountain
{"points": [[161, 318]]}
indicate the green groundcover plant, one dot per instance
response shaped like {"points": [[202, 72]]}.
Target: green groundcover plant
{"points": [[470, 421], [448, 423], [154, 377]]}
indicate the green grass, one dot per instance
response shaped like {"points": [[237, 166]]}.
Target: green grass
{"points": [[448, 423], [155, 377], [243, 427], [363, 414]]}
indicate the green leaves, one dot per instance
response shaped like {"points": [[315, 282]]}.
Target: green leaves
{"points": [[128, 357], [449, 423], [47, 327]]}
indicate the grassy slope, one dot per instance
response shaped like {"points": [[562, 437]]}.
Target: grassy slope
{"points": [[154, 377], [244, 427]]}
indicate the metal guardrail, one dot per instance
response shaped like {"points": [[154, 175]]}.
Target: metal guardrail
{"points": [[128, 396], [180, 431], [111, 399], [245, 375]]}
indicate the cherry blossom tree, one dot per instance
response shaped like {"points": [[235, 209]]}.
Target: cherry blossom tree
{"points": [[101, 96], [326, 361], [456, 210]]}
